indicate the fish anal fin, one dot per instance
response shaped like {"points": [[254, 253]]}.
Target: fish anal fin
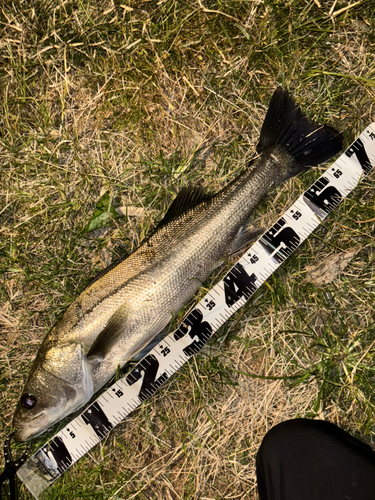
{"points": [[108, 336], [244, 237]]}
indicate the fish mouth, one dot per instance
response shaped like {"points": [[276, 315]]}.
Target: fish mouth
{"points": [[27, 433], [29, 430]]}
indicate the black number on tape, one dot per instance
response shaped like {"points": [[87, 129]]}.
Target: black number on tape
{"points": [[118, 392], [280, 240], [210, 305], [164, 350], [358, 149], [71, 433], [149, 367], [95, 416], [57, 449], [337, 174], [237, 284], [322, 198], [194, 326], [297, 215]]}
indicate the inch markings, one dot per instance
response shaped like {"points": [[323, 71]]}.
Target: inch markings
{"points": [[49, 462]]}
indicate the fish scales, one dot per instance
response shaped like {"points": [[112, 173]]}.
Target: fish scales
{"points": [[131, 302], [197, 243]]}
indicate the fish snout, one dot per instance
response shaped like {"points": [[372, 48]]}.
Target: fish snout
{"points": [[23, 434], [28, 429]]}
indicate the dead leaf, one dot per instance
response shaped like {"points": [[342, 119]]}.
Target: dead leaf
{"points": [[130, 211], [325, 272]]}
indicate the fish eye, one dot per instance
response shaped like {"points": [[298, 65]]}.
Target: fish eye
{"points": [[28, 401]]}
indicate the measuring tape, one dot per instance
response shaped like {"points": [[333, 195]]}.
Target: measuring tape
{"points": [[72, 442]]}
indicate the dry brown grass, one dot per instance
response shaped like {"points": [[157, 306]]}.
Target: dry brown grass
{"points": [[140, 99]]}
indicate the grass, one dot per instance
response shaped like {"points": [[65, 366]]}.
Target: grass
{"points": [[139, 99]]}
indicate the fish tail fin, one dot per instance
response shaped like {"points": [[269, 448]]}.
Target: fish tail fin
{"points": [[307, 142]]}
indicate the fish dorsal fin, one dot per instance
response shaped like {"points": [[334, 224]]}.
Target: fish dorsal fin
{"points": [[108, 336], [189, 197], [244, 237]]}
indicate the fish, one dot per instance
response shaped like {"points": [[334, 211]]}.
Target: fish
{"points": [[134, 299]]}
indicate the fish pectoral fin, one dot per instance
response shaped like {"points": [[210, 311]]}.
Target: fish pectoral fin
{"points": [[187, 198], [108, 336], [244, 237]]}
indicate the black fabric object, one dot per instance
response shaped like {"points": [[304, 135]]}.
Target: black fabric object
{"points": [[314, 460]]}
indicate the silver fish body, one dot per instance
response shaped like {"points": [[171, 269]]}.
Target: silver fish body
{"points": [[129, 304]]}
